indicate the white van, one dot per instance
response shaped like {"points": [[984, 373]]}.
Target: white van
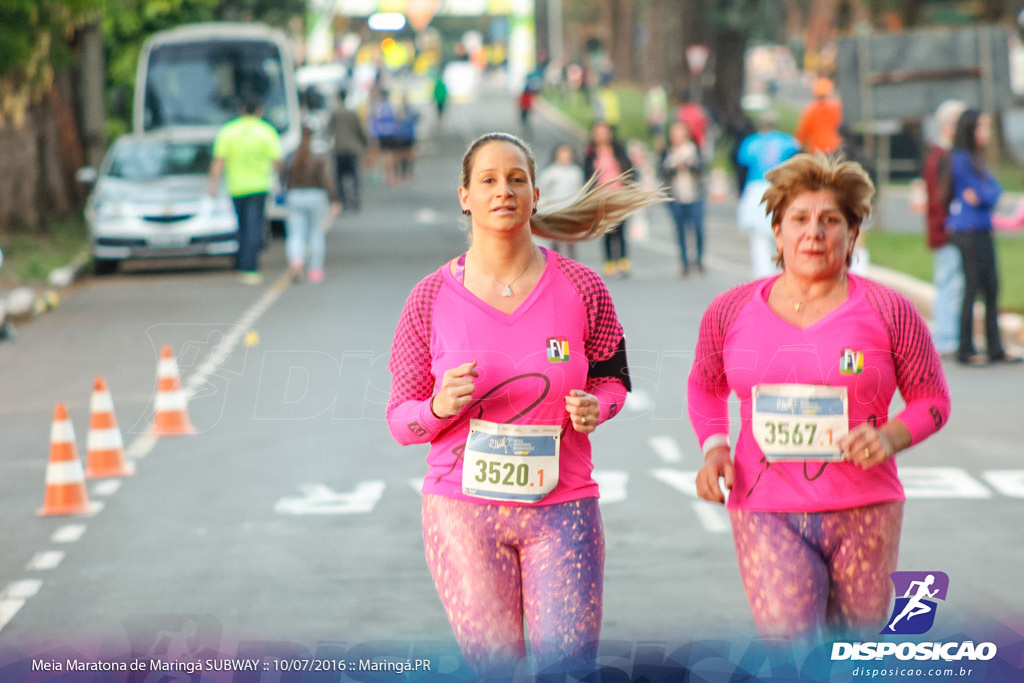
{"points": [[196, 76]]}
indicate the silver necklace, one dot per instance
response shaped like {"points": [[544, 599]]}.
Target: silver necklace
{"points": [[508, 285]]}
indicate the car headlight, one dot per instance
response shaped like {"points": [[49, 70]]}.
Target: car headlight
{"points": [[105, 209], [216, 207]]}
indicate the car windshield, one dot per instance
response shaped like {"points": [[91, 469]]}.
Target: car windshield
{"points": [[148, 159], [203, 84]]}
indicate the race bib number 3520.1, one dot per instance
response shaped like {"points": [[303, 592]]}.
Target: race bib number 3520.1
{"points": [[510, 462], [799, 421]]}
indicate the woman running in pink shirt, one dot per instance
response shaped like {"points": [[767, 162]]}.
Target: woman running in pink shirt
{"points": [[505, 360], [815, 356]]}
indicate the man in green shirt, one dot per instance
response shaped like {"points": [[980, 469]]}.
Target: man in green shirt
{"points": [[246, 152]]}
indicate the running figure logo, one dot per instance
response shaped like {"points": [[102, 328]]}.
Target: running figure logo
{"points": [[914, 612]]}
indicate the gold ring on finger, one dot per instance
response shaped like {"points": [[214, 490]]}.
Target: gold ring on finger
{"points": [[867, 453], [583, 420]]}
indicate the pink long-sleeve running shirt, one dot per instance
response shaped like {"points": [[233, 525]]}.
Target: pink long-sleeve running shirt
{"points": [[527, 363], [743, 343]]}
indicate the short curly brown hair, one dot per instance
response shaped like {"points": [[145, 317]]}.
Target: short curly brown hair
{"points": [[847, 180]]}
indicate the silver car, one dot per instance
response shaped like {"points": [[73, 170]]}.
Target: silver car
{"points": [[150, 201]]}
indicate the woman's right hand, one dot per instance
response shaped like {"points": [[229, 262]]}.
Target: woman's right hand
{"points": [[456, 390], [717, 464]]}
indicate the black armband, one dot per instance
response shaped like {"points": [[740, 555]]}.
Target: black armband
{"points": [[614, 366]]}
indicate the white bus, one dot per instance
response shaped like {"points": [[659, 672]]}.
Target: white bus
{"points": [[197, 75]]}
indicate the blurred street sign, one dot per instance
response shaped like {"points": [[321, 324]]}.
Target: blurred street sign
{"points": [[697, 58]]}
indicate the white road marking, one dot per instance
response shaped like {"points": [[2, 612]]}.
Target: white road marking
{"points": [[638, 401], [612, 484], [107, 487], [46, 560], [941, 482], [1010, 483], [712, 516], [666, 447], [318, 499], [68, 533], [13, 597]]}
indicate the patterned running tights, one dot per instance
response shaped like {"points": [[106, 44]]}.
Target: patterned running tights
{"points": [[811, 573], [496, 566]]}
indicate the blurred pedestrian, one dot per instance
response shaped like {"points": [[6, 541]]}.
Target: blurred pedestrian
{"points": [[815, 356], [559, 183], [525, 106], [384, 131], [656, 114], [247, 153], [758, 154], [947, 270], [698, 122], [408, 119], [607, 108], [440, 99], [682, 168], [312, 200], [350, 142], [975, 194], [526, 549], [606, 158], [818, 126]]}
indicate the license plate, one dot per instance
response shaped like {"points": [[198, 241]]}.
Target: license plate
{"points": [[168, 241]]}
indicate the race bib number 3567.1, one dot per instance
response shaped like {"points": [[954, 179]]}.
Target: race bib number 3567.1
{"points": [[799, 421], [510, 462]]}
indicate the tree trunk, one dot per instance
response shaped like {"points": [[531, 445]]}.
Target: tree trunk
{"points": [[92, 76], [623, 30], [19, 173], [729, 48]]}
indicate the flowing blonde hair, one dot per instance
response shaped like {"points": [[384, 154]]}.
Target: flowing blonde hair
{"points": [[591, 212]]}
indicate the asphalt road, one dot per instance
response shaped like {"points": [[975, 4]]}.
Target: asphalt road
{"points": [[288, 526]]}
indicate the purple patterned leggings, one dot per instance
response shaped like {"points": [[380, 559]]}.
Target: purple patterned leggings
{"points": [[497, 565], [808, 572]]}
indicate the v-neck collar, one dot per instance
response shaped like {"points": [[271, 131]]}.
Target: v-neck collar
{"points": [[853, 292], [521, 309]]}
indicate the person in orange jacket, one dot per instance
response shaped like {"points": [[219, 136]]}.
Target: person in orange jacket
{"points": [[818, 127]]}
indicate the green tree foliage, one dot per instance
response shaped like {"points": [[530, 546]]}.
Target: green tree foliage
{"points": [[33, 43]]}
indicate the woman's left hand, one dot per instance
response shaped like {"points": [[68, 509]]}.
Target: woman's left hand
{"points": [[865, 446], [583, 410]]}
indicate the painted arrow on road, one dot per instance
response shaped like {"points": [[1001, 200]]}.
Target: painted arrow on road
{"points": [[318, 499]]}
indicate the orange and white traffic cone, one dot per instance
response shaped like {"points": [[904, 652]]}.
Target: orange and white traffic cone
{"points": [[171, 406], [65, 481], [104, 444]]}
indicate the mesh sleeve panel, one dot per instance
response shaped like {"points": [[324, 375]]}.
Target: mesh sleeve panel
{"points": [[410, 361]]}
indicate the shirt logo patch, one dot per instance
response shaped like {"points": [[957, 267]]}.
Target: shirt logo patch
{"points": [[851, 362], [558, 350]]}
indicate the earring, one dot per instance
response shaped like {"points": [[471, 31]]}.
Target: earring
{"points": [[465, 212], [535, 211]]}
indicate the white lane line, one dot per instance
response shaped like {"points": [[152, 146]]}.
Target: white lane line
{"points": [[13, 597], [68, 533], [46, 560], [107, 487], [666, 447], [141, 445]]}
